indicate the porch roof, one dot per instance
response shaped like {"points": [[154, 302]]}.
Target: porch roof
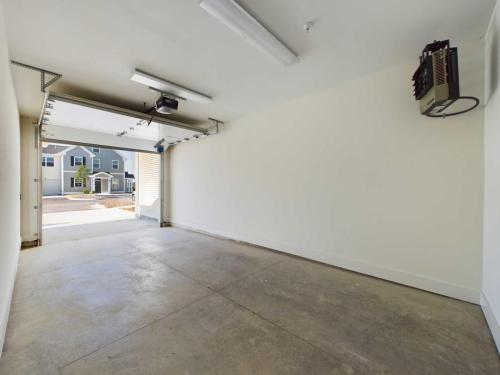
{"points": [[101, 175]]}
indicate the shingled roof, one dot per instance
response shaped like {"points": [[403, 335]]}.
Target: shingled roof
{"points": [[53, 149]]}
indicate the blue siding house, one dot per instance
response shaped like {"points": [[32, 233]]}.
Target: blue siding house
{"points": [[106, 168]]}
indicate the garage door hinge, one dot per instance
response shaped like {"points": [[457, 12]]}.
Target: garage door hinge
{"points": [[35, 207]]}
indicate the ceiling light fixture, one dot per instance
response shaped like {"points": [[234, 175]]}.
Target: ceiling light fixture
{"points": [[231, 14], [165, 86]]}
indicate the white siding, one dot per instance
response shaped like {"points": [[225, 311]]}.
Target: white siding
{"points": [[51, 178], [51, 187], [52, 173], [148, 185]]}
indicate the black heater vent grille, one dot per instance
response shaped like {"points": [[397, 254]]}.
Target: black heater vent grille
{"points": [[440, 67]]}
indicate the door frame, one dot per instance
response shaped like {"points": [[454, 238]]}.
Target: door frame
{"points": [[39, 141], [113, 109], [39, 181]]}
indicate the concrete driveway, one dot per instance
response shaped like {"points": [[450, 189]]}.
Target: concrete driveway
{"points": [[70, 218], [65, 218], [64, 204]]}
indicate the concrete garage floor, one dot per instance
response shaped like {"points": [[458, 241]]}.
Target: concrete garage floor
{"points": [[169, 301]]}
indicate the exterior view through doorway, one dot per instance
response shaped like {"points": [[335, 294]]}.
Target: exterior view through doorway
{"points": [[86, 125], [88, 191]]}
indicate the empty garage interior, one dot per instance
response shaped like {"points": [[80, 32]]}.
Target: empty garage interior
{"points": [[310, 215]]}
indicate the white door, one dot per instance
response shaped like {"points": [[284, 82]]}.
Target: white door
{"points": [[51, 187], [148, 195]]}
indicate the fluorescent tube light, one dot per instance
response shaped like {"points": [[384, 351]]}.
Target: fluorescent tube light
{"points": [[230, 13], [160, 84]]}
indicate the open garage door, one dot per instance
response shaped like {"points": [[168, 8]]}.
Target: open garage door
{"points": [[92, 125], [75, 120]]}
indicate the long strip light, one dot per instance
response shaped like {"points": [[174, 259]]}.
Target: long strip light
{"points": [[231, 14], [163, 85]]}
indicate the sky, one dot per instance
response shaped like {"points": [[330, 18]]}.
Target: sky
{"points": [[129, 160]]}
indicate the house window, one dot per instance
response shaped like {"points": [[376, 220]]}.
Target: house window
{"points": [[96, 150], [78, 160], [78, 182], [115, 164], [115, 183], [96, 164], [47, 161]]}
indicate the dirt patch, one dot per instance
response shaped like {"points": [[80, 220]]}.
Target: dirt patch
{"points": [[128, 208], [116, 202], [81, 196]]}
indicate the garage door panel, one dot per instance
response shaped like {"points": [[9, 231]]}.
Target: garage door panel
{"points": [[70, 119]]}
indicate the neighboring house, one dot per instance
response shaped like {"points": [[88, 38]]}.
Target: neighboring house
{"points": [[106, 170]]}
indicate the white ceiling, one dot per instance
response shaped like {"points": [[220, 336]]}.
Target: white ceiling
{"points": [[97, 44]]}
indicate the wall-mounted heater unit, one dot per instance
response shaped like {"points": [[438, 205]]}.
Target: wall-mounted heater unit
{"points": [[436, 82]]}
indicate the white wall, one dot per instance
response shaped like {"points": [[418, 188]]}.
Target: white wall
{"points": [[353, 176], [29, 188], [490, 297], [10, 185]]}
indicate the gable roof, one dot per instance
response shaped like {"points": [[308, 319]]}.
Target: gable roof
{"points": [[52, 149], [101, 173], [73, 147], [55, 149]]}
